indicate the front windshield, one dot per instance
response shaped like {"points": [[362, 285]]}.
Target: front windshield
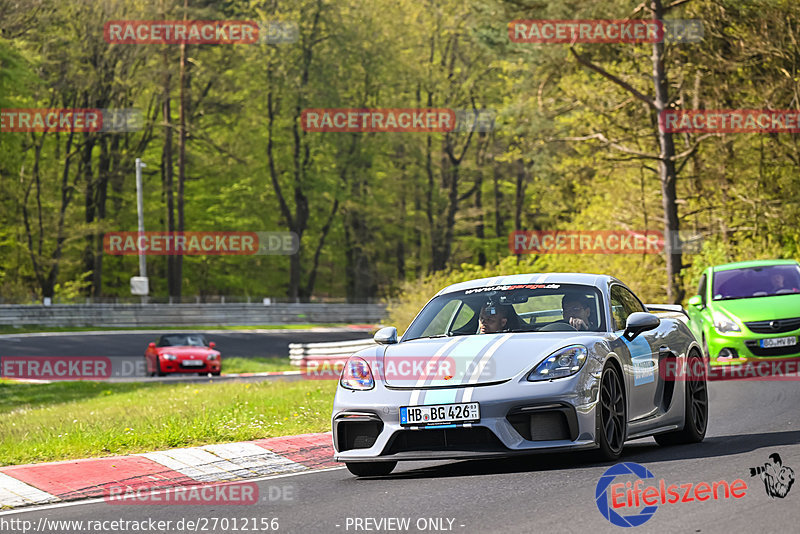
{"points": [[182, 340], [756, 282], [514, 308]]}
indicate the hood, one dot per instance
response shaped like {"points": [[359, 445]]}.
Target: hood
{"points": [[480, 359], [761, 308], [187, 351]]}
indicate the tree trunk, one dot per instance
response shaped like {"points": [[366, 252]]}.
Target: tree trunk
{"points": [[480, 228], [103, 172], [181, 158], [90, 200], [166, 173], [667, 172]]}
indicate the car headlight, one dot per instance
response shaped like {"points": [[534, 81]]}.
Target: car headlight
{"points": [[169, 356], [563, 362], [357, 375], [212, 357], [724, 324]]}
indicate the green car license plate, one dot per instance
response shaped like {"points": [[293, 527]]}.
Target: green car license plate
{"points": [[773, 342]]}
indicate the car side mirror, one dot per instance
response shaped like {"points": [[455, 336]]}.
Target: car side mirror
{"points": [[639, 322], [696, 301], [152, 345], [211, 344], [386, 336]]}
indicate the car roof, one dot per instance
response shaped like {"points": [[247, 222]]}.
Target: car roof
{"points": [[753, 263], [596, 280]]}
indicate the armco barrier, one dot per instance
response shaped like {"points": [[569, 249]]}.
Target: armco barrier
{"points": [[189, 314], [325, 355]]}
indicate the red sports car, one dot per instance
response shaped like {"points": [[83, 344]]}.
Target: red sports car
{"points": [[182, 353]]}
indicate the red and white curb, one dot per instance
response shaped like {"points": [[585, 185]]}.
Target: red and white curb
{"points": [[26, 485]]}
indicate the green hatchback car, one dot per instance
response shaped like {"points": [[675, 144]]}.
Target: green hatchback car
{"points": [[747, 310]]}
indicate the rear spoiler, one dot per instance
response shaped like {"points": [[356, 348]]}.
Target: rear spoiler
{"points": [[666, 308]]}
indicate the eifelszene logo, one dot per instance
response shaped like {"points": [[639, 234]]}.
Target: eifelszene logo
{"points": [[777, 478], [630, 495]]}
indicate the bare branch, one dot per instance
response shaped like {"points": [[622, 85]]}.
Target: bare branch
{"points": [[623, 84], [690, 150], [676, 3], [602, 138]]}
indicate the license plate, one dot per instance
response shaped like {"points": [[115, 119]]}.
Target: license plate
{"points": [[440, 414], [192, 363], [778, 342]]}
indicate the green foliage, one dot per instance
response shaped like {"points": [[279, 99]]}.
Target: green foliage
{"points": [[396, 215]]}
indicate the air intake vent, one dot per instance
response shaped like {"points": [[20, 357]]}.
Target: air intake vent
{"points": [[447, 439], [776, 351], [544, 423], [357, 434]]}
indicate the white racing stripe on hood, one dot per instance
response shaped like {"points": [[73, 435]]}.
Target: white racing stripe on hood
{"points": [[423, 377], [476, 373]]}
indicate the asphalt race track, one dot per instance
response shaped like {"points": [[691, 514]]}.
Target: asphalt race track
{"points": [[546, 493], [126, 349]]}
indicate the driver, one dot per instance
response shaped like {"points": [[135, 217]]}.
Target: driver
{"points": [[493, 318], [576, 309]]}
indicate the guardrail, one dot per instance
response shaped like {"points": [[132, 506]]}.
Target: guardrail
{"points": [[189, 314], [330, 355]]}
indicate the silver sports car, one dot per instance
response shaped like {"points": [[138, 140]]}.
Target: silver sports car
{"points": [[520, 364]]}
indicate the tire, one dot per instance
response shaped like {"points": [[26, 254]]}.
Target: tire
{"points": [[216, 373], [695, 417], [612, 415], [159, 372], [370, 469]]}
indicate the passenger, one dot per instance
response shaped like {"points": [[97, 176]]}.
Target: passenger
{"points": [[577, 311], [777, 280]]}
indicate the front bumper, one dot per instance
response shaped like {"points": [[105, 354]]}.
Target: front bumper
{"points": [[745, 346], [176, 366], [517, 417]]}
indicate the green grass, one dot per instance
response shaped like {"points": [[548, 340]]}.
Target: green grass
{"points": [[234, 365], [26, 329], [68, 420]]}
